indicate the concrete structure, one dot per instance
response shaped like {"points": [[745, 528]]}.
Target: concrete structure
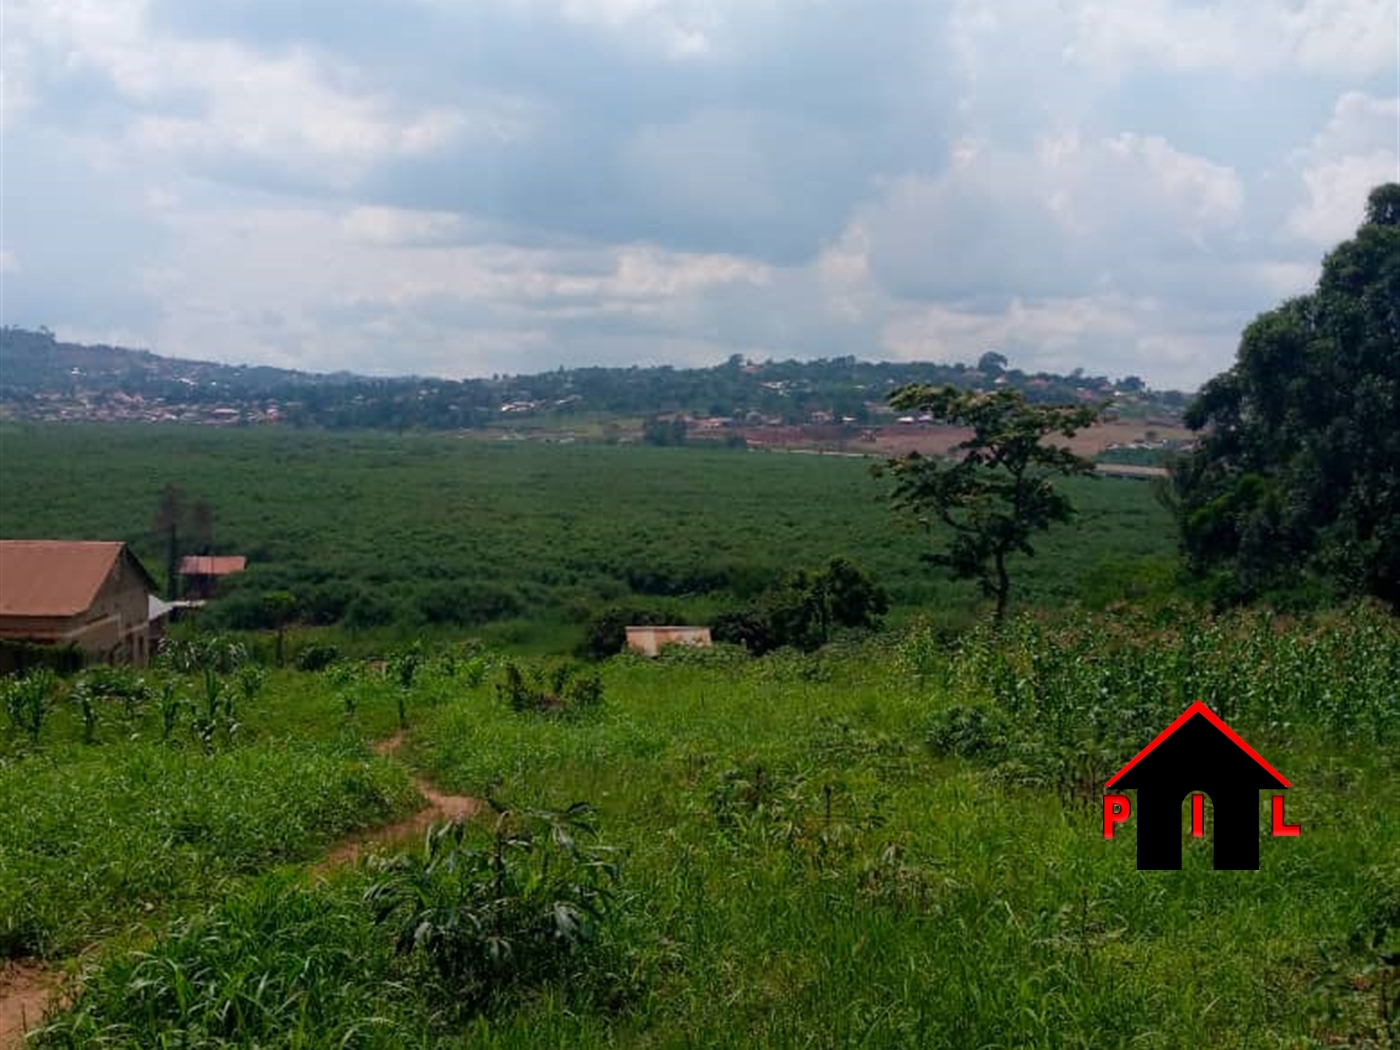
{"points": [[93, 595], [649, 640]]}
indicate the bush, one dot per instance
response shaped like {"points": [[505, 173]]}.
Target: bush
{"points": [[370, 609], [516, 913], [560, 690], [606, 633], [18, 657], [317, 657], [969, 732], [748, 629], [467, 604]]}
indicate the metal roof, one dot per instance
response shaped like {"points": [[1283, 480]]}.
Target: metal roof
{"points": [[56, 577], [212, 564]]}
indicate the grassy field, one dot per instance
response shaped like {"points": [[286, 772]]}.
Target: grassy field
{"points": [[887, 843], [522, 542]]}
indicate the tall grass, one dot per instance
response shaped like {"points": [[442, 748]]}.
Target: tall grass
{"points": [[95, 838], [798, 867]]}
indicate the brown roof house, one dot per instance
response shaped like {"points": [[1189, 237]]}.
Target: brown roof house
{"points": [[90, 594], [200, 573]]}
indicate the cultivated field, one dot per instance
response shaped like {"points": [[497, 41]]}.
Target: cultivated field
{"points": [[522, 542]]}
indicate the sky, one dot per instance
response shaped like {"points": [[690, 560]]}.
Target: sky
{"points": [[468, 187]]}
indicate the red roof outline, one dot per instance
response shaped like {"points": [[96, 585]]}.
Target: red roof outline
{"points": [[1199, 708], [212, 564]]}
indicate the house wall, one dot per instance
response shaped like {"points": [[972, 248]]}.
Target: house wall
{"points": [[649, 640], [114, 629]]}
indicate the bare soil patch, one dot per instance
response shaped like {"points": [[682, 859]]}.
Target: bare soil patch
{"points": [[936, 440], [26, 988], [440, 807]]}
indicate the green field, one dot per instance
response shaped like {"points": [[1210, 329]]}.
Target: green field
{"points": [[522, 542], [889, 843], [892, 841]]}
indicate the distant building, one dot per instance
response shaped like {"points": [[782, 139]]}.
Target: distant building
{"points": [[92, 595], [200, 573], [649, 640]]}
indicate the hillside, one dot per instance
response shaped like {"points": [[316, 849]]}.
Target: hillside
{"points": [[44, 378]]}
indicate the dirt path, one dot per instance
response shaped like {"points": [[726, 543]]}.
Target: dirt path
{"points": [[440, 807], [27, 988]]}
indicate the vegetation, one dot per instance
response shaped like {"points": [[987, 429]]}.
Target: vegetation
{"points": [[995, 492], [889, 843], [814, 833], [396, 538], [522, 910], [1297, 477], [40, 374]]}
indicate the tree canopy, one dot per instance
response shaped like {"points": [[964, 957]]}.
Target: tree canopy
{"points": [[995, 493], [1296, 476]]}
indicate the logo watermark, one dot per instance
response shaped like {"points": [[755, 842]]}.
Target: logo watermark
{"points": [[1197, 755]]}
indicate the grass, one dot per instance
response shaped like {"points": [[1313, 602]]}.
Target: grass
{"points": [[432, 534], [122, 821], [800, 867]]}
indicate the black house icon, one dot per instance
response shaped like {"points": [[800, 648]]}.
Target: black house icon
{"points": [[1198, 752]]}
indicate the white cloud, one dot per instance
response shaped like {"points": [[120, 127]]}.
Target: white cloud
{"points": [[400, 226], [512, 184], [1236, 37], [305, 113], [1357, 150], [1065, 217]]}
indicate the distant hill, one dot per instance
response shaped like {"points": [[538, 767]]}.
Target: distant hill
{"points": [[37, 362], [42, 377]]}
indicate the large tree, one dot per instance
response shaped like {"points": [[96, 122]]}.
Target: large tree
{"points": [[1296, 474], [986, 500]]}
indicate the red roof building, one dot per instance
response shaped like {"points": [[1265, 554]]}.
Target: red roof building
{"points": [[200, 573], [89, 594]]}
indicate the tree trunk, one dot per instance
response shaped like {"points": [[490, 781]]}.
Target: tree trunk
{"points": [[172, 565], [1003, 586]]}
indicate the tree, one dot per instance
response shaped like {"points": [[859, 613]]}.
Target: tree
{"points": [[992, 363], [1295, 479], [995, 492], [280, 607], [202, 526], [170, 513], [803, 608], [663, 432]]}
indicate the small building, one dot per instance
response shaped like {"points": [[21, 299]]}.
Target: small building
{"points": [[649, 640], [93, 595], [200, 573]]}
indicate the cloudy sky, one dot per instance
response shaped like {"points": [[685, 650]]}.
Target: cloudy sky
{"points": [[461, 187]]}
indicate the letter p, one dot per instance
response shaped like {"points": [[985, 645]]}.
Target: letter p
{"points": [[1116, 809]]}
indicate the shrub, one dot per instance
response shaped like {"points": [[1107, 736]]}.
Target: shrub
{"points": [[606, 633], [516, 913], [29, 700], [317, 657], [969, 732], [370, 609], [559, 690], [742, 628], [18, 656]]}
